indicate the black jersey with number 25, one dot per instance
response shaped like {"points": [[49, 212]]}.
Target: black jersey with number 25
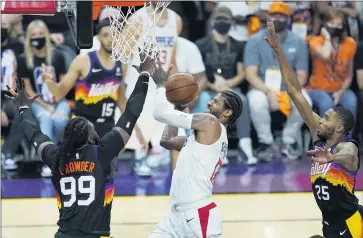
{"points": [[333, 187]]}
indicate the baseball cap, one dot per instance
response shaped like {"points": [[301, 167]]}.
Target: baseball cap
{"points": [[222, 12], [280, 8]]}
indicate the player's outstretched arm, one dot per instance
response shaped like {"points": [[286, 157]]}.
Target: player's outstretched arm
{"points": [[60, 90], [196, 121], [291, 82], [113, 142], [345, 154], [163, 113], [44, 147]]}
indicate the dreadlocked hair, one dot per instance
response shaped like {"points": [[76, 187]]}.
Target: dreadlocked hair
{"points": [[346, 117], [75, 135], [233, 102]]}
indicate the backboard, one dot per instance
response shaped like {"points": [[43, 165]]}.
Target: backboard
{"points": [[79, 15]]}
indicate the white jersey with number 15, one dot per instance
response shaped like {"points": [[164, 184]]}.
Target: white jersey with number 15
{"points": [[196, 169]]}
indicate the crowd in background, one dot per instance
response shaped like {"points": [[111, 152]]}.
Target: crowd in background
{"points": [[322, 42]]}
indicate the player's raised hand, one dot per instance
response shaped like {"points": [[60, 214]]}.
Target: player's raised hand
{"points": [[159, 75], [272, 41], [20, 98], [321, 155]]}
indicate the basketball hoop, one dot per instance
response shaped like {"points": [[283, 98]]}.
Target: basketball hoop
{"points": [[126, 28]]}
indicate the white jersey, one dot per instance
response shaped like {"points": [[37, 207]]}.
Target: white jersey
{"points": [[165, 35], [196, 169]]}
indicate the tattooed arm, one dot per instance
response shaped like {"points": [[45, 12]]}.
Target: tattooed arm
{"points": [[170, 139]]}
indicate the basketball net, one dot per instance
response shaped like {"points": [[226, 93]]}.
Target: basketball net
{"points": [[131, 35]]}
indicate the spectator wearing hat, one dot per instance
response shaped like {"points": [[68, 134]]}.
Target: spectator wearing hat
{"points": [[268, 92], [223, 59]]}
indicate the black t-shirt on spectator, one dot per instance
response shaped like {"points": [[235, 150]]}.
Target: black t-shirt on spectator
{"points": [[359, 57], [358, 64], [34, 74], [224, 60]]}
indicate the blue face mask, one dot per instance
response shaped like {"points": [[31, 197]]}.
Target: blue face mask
{"points": [[222, 27]]}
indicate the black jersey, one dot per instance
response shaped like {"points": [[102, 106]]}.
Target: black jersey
{"points": [[84, 189], [333, 187], [96, 95], [84, 193]]}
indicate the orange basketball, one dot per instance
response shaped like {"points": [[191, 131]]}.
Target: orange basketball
{"points": [[181, 88]]}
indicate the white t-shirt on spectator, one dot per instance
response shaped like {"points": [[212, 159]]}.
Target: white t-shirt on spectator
{"points": [[188, 57]]}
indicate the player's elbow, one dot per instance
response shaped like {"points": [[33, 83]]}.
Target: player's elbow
{"points": [[166, 144]]}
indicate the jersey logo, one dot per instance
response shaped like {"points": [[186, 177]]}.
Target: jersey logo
{"points": [[342, 233], [103, 89], [118, 71], [77, 156], [317, 168], [96, 70]]}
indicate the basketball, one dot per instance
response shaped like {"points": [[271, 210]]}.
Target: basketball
{"points": [[181, 88]]}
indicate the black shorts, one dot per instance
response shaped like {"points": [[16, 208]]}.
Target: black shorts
{"points": [[63, 235], [351, 228]]}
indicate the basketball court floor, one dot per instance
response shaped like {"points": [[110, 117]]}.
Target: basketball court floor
{"points": [[271, 200]]}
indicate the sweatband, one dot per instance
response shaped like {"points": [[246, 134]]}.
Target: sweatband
{"points": [[135, 104], [165, 114]]}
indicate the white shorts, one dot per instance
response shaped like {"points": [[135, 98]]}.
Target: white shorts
{"points": [[202, 222]]}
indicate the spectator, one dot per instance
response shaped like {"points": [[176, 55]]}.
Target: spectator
{"points": [[10, 48], [223, 58], [332, 55], [351, 16], [58, 28], [241, 12], [359, 69], [52, 116], [268, 92]]}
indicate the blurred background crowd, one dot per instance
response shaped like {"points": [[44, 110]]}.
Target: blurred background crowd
{"points": [[223, 43]]}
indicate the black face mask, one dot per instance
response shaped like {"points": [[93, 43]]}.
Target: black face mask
{"points": [[280, 26], [4, 35], [334, 32], [38, 43], [222, 27]]}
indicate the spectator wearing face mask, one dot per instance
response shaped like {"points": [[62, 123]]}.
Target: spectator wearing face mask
{"points": [[38, 51], [332, 54], [223, 59], [268, 92]]}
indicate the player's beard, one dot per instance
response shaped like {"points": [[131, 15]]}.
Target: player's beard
{"points": [[325, 134], [109, 51]]}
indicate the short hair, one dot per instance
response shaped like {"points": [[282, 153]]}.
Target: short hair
{"points": [[233, 102], [346, 117]]}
